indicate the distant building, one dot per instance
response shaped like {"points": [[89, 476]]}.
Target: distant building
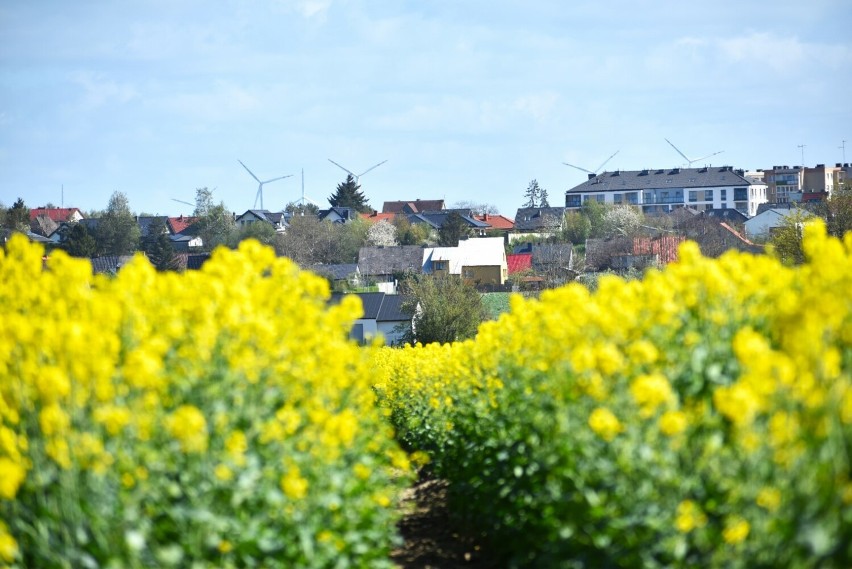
{"points": [[57, 214], [784, 184], [666, 189], [416, 206]]}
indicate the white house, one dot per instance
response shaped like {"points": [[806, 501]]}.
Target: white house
{"points": [[383, 316], [762, 224], [479, 260], [666, 189]]}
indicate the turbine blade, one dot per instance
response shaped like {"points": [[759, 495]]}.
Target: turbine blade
{"points": [[678, 151], [249, 171], [279, 178], [607, 160], [342, 168], [373, 168], [578, 168], [705, 157]]}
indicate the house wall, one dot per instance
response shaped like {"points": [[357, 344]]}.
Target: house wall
{"points": [[494, 274], [744, 198], [391, 335], [760, 225]]}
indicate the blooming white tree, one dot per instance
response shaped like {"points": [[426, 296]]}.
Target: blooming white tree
{"points": [[622, 221], [382, 234]]}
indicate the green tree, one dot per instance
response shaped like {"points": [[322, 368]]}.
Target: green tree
{"points": [[532, 195], [260, 231], [302, 208], [159, 248], [837, 212], [445, 309], [543, 198], [78, 242], [786, 240], [576, 228], [452, 230], [408, 233], [594, 212], [17, 217], [118, 233], [349, 194]]}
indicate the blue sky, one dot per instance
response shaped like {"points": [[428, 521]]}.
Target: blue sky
{"points": [[466, 100]]}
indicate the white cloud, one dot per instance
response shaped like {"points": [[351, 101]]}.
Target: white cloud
{"points": [[98, 90], [313, 8], [761, 48]]}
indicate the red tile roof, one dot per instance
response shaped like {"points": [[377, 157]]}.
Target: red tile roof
{"points": [[179, 224], [519, 262], [55, 213], [496, 221], [376, 217]]}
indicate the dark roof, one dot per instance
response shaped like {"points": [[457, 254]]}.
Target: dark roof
{"points": [[378, 306], [109, 263], [537, 218], [390, 260], [726, 214], [663, 178], [437, 218], [194, 261], [346, 213], [273, 217], [392, 309], [90, 223], [145, 222], [43, 225], [415, 206], [561, 254], [336, 272]]}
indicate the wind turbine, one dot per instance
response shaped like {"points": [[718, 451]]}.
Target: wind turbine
{"points": [[304, 200], [690, 160], [354, 175], [181, 201], [598, 168], [260, 184]]}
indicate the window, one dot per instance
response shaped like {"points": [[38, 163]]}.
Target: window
{"points": [[724, 195], [740, 194], [616, 198], [693, 196], [708, 195], [572, 201], [600, 198]]}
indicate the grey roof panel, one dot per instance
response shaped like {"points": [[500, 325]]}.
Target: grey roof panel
{"points": [[664, 178]]}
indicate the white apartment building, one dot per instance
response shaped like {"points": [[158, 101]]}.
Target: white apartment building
{"points": [[663, 190]]}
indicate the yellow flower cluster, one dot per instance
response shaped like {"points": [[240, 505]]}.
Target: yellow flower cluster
{"points": [[226, 403], [728, 382]]}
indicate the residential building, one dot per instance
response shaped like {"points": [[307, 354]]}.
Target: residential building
{"points": [[338, 214], [339, 275], [435, 219], [767, 220], [820, 182], [57, 214], [478, 261], [386, 265], [497, 224], [664, 190], [384, 315], [784, 184], [536, 223], [278, 220], [416, 206]]}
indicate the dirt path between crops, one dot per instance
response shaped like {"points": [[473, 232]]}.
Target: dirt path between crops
{"points": [[431, 541]]}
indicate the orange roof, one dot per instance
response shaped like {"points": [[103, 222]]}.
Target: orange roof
{"points": [[179, 224], [375, 217], [496, 221]]}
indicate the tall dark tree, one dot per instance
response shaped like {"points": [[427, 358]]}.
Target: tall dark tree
{"points": [[78, 242], [349, 194], [452, 230], [542, 198], [17, 217], [118, 232], [533, 194], [159, 249]]}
